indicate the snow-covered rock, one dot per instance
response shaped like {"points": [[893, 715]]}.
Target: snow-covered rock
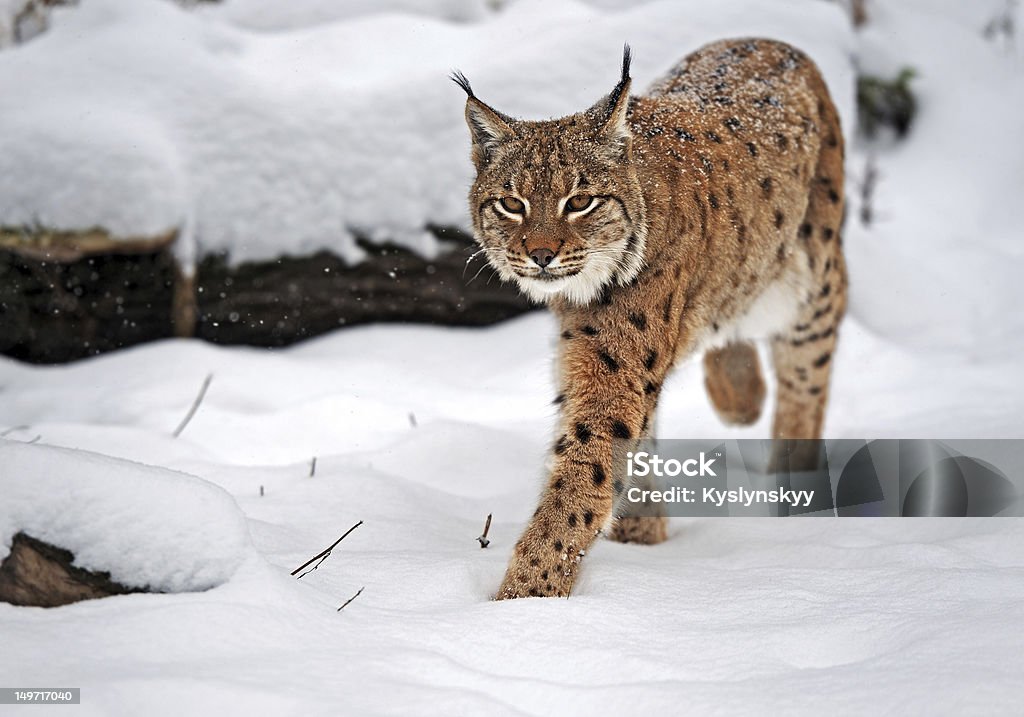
{"points": [[148, 527]]}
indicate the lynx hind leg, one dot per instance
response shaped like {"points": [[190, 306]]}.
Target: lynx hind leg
{"points": [[802, 356], [732, 377], [645, 523], [803, 363]]}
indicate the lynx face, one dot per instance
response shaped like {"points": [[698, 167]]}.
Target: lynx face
{"points": [[557, 205]]}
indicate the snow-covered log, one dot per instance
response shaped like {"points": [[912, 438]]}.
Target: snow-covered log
{"points": [[100, 297]]}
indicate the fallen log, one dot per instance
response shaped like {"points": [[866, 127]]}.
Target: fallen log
{"points": [[84, 298]]}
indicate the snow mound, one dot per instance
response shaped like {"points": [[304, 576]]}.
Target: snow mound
{"points": [[276, 15], [141, 117], [148, 527]]}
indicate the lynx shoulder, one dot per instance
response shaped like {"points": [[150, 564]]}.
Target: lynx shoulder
{"points": [[692, 219]]}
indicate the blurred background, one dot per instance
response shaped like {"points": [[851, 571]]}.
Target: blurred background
{"points": [[259, 172]]}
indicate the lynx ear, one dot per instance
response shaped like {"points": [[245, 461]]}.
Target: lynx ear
{"points": [[488, 127], [612, 110]]}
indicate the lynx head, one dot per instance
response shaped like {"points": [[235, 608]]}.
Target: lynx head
{"points": [[556, 205]]}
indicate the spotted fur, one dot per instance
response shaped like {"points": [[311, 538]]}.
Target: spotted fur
{"points": [[715, 217]]}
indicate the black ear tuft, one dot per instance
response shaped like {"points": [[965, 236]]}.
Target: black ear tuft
{"points": [[460, 79], [613, 98]]}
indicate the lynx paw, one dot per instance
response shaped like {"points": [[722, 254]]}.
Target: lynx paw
{"points": [[645, 530], [541, 571]]}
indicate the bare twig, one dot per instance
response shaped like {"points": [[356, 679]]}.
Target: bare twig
{"points": [[358, 593], [484, 542], [312, 467], [858, 12], [21, 428], [325, 554], [195, 405], [867, 192]]}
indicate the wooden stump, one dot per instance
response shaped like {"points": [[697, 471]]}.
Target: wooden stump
{"points": [[42, 575]]}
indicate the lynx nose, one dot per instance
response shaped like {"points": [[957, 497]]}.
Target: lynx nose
{"points": [[542, 256]]}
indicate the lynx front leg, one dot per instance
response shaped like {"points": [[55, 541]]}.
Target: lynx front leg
{"points": [[604, 410]]}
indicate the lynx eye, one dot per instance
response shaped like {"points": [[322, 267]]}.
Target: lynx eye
{"points": [[513, 205], [579, 202]]}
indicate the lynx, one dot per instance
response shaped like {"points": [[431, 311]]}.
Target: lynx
{"points": [[693, 219]]}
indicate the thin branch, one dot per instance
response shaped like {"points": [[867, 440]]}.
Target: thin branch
{"points": [[195, 405], [21, 428], [358, 593], [484, 542], [312, 467], [867, 191], [858, 13], [325, 554]]}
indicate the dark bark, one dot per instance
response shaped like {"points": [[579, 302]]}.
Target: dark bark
{"points": [[52, 311], [58, 311], [278, 303]]}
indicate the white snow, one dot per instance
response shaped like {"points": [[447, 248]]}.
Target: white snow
{"points": [[727, 616], [845, 616], [140, 116], [947, 242], [274, 15]]}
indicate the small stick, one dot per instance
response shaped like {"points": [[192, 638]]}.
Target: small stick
{"points": [[324, 555], [484, 542], [312, 468], [867, 191], [358, 593], [195, 405], [261, 491], [412, 419]]}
